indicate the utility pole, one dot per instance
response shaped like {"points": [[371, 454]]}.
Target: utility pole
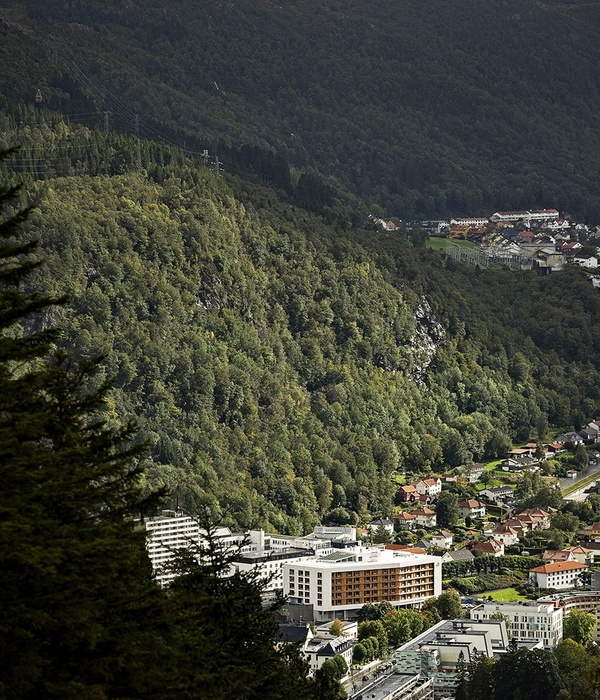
{"points": [[106, 116], [217, 166]]}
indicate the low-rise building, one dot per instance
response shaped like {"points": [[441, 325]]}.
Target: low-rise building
{"points": [[438, 652], [490, 548], [471, 508], [505, 533], [562, 576], [442, 539], [542, 622], [429, 487], [499, 494], [588, 601], [318, 651], [405, 520], [425, 517]]}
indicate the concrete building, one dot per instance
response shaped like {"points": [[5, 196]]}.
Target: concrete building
{"points": [[172, 531], [541, 622], [437, 652], [267, 565], [562, 575], [588, 601], [339, 584]]}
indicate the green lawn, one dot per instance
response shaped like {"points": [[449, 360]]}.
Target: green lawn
{"points": [[440, 243], [503, 595]]}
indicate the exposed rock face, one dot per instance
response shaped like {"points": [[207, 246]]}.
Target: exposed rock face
{"points": [[428, 337]]}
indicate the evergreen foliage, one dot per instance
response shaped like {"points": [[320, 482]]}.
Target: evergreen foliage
{"points": [[449, 109], [81, 614]]}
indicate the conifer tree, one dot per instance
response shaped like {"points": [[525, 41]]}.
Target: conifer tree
{"points": [[70, 560]]}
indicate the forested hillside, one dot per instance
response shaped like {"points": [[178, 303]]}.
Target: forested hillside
{"points": [[281, 368], [429, 109]]}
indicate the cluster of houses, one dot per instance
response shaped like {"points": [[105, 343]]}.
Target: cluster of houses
{"points": [[541, 237]]}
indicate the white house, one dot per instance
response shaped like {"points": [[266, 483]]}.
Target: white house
{"points": [[506, 534], [589, 261], [562, 575], [471, 508], [442, 539], [425, 517], [383, 523], [499, 494], [429, 487], [318, 651]]}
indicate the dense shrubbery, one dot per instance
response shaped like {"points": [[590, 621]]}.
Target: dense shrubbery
{"points": [[485, 582]]}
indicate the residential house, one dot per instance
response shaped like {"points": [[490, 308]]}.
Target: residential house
{"points": [[592, 532], [425, 517], [381, 523], [553, 555], [590, 434], [429, 487], [506, 534], [562, 576], [538, 517], [405, 520], [499, 495], [471, 508], [318, 651], [473, 472], [581, 554], [589, 261], [458, 555], [490, 548], [573, 437], [442, 539], [407, 494], [519, 526]]}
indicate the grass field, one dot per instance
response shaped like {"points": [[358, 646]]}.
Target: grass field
{"points": [[503, 595], [440, 243]]}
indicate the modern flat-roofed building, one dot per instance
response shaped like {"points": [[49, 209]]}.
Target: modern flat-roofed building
{"points": [[437, 652], [539, 621], [588, 601], [339, 584], [268, 565], [172, 531]]}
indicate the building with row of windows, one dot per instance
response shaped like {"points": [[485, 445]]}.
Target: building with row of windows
{"points": [[340, 583], [526, 621]]}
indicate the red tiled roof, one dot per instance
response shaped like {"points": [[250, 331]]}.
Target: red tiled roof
{"points": [[558, 566], [404, 516], [470, 503]]}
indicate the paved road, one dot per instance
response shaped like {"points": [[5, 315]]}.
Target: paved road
{"points": [[580, 494]]}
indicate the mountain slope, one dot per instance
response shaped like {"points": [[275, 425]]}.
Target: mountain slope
{"points": [[428, 108], [284, 370]]}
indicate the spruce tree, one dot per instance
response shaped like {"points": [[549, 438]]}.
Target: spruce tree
{"points": [[72, 567]]}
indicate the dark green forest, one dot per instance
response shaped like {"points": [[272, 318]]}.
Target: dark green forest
{"points": [[283, 369], [425, 108]]}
